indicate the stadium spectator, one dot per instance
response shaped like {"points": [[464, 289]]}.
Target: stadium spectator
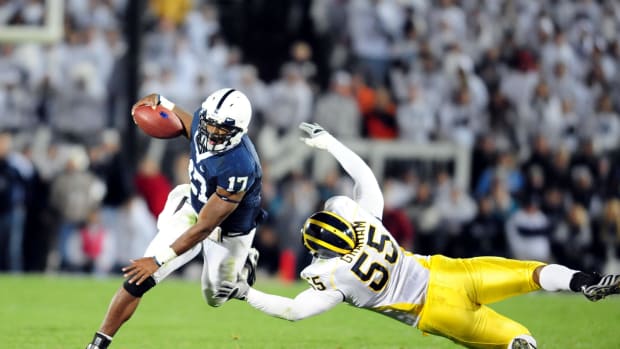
{"points": [[268, 245], [572, 240], [12, 208], [152, 185], [604, 127], [608, 235], [74, 194], [290, 100], [504, 170], [337, 108], [91, 247], [528, 233], [459, 119], [456, 210], [415, 118], [380, 121], [484, 236], [134, 228]]}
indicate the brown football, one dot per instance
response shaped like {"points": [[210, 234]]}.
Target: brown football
{"points": [[159, 122]]}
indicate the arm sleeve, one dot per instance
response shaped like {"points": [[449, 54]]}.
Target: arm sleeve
{"points": [[367, 192], [308, 303]]}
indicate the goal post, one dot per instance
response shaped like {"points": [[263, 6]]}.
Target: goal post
{"points": [[50, 31]]}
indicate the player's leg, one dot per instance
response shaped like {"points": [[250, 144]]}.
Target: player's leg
{"points": [[175, 219], [451, 311], [495, 278], [555, 277], [224, 259], [492, 330]]}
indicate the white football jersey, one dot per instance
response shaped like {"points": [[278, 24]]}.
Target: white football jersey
{"points": [[378, 275]]}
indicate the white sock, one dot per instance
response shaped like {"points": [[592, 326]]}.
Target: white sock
{"points": [[104, 336], [555, 277]]}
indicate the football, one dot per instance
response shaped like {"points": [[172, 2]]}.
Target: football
{"points": [[159, 122]]}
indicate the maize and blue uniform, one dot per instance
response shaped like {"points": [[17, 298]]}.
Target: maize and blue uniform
{"points": [[438, 295]]}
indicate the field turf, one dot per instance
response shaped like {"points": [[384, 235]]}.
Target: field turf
{"points": [[58, 312]]}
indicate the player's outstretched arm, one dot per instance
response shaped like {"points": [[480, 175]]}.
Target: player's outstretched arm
{"points": [[367, 191], [154, 99], [306, 304]]}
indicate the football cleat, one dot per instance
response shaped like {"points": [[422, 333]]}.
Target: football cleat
{"points": [[520, 343], [249, 269], [609, 284]]}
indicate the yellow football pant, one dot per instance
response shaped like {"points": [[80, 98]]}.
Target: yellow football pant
{"points": [[458, 291]]}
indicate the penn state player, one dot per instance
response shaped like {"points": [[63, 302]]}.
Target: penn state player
{"points": [[217, 213], [356, 260]]}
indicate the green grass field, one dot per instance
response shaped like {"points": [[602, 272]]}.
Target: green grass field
{"points": [[45, 312]]}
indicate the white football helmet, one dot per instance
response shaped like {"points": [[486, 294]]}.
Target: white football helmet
{"points": [[228, 113]]}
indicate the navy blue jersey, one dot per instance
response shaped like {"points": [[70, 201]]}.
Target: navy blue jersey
{"points": [[236, 170]]}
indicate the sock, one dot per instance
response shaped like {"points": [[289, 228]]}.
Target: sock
{"points": [[555, 277], [582, 280], [101, 340]]}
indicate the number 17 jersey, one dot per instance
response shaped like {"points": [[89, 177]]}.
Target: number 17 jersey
{"points": [[378, 274]]}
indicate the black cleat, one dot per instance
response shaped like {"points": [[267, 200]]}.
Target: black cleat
{"points": [[609, 284]]}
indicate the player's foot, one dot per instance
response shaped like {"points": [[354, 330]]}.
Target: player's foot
{"points": [[609, 284], [249, 269], [520, 343]]}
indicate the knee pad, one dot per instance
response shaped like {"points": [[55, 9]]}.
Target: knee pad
{"points": [[139, 290], [523, 341]]}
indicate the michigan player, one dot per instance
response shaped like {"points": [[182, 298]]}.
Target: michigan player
{"points": [[359, 262], [216, 213]]}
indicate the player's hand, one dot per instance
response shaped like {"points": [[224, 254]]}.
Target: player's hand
{"points": [[316, 136], [140, 269], [228, 290], [151, 100]]}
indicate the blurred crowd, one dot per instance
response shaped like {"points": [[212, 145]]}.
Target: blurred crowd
{"points": [[532, 88]]}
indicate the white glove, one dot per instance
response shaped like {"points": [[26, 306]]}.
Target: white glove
{"points": [[228, 290], [317, 136]]}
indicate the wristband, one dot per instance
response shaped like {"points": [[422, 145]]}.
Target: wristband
{"points": [[164, 102], [164, 256]]}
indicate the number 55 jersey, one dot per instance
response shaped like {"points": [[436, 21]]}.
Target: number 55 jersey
{"points": [[378, 274]]}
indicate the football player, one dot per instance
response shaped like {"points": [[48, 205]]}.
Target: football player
{"points": [[217, 213], [356, 260]]}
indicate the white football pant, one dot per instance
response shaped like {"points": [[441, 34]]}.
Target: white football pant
{"points": [[224, 257]]}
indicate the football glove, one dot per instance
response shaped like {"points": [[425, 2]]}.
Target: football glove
{"points": [[238, 290], [317, 136]]}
